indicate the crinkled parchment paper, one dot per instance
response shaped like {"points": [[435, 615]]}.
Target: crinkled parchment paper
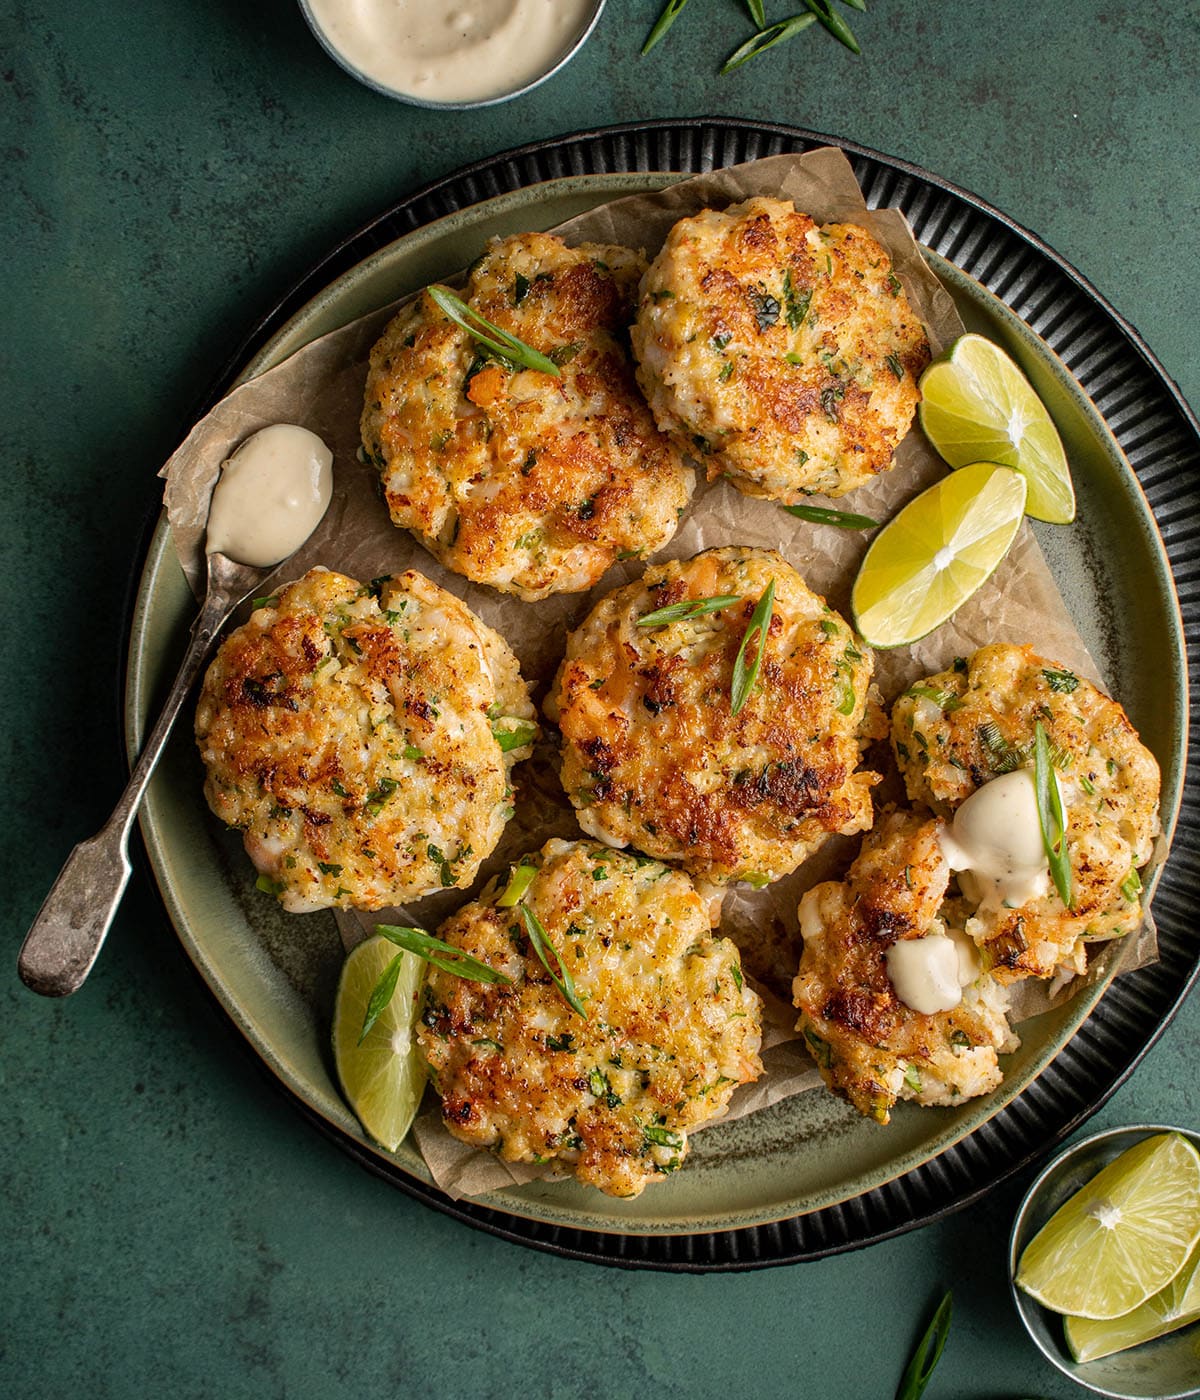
{"points": [[321, 386]]}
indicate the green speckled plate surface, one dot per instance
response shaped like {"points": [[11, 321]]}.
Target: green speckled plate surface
{"points": [[809, 1175]]}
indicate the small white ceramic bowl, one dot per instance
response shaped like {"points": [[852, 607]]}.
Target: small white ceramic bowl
{"points": [[1165, 1369], [572, 46]]}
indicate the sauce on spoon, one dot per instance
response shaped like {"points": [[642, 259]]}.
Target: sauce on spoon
{"points": [[271, 495]]}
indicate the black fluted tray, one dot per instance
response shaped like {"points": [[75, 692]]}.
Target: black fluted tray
{"points": [[1160, 438]]}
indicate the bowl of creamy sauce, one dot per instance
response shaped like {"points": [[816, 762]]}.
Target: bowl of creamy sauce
{"points": [[466, 53]]}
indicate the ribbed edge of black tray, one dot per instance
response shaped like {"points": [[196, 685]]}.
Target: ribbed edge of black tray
{"points": [[1159, 435]]}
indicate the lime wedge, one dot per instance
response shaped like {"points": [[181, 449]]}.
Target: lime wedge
{"points": [[1176, 1306], [384, 1077], [928, 560], [1122, 1237], [977, 406]]}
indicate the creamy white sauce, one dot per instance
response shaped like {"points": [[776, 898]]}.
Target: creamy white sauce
{"points": [[924, 973], [812, 926], [271, 495], [929, 973], [995, 843], [464, 51], [970, 964]]}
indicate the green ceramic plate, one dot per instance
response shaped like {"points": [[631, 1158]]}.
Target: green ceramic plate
{"points": [[275, 976]]}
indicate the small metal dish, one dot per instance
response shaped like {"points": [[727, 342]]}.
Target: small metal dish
{"points": [[571, 48], [1167, 1368]]}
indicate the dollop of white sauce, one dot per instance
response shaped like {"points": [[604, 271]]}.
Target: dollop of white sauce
{"points": [[271, 495], [929, 973], [995, 843], [468, 51], [812, 926]]}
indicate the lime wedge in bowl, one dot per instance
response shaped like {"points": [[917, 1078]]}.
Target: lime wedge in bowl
{"points": [[1177, 1305], [930, 557], [977, 406], [383, 1074], [1122, 1237]]}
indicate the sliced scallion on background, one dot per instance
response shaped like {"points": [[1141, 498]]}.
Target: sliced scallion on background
{"points": [[927, 1354], [843, 519], [670, 13], [837, 26], [766, 39]]}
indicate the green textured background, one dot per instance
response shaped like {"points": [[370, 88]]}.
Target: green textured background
{"points": [[169, 1226]]}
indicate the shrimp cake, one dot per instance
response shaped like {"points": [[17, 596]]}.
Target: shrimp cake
{"points": [[957, 730], [671, 1027], [361, 738], [784, 354], [869, 1046], [655, 758], [526, 482]]}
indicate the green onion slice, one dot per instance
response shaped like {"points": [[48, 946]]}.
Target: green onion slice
{"points": [[381, 994], [1131, 886], [692, 607], [843, 519], [423, 945], [443, 955], [1051, 817], [766, 39], [928, 1353], [837, 26], [944, 699], [756, 13], [518, 882], [744, 676], [490, 336], [543, 947], [1065, 682], [670, 13], [509, 739]]}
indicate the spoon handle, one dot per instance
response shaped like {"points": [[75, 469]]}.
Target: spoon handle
{"points": [[65, 938]]}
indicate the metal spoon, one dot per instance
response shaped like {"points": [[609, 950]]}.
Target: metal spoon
{"points": [[62, 945]]}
